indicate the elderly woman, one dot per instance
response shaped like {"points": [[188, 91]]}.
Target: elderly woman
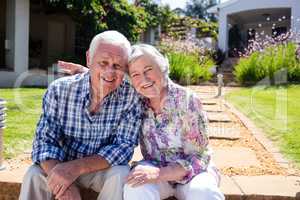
{"points": [[174, 141]]}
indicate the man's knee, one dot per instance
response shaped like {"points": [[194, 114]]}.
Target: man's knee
{"points": [[147, 192], [34, 185], [34, 175]]}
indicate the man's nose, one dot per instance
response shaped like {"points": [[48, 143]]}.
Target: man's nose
{"points": [[110, 70]]}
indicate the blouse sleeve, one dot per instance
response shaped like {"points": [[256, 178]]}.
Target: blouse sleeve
{"points": [[196, 152]]}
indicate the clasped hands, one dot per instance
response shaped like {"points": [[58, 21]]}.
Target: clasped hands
{"points": [[61, 182]]}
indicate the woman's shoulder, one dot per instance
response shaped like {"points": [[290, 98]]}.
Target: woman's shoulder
{"points": [[185, 96]]}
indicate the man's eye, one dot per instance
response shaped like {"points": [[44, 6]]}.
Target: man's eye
{"points": [[102, 64], [134, 75], [117, 66]]}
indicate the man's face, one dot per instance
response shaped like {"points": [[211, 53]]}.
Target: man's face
{"points": [[107, 67]]}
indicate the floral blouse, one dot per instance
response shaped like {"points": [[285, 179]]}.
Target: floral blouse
{"points": [[178, 134]]}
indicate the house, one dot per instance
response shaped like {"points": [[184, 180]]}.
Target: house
{"points": [[241, 21], [32, 37]]}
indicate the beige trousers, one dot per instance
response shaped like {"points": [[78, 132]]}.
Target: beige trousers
{"points": [[109, 183]]}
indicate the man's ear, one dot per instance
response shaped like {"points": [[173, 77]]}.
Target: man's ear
{"points": [[88, 61]]}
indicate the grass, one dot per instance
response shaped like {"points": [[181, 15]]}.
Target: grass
{"points": [[276, 111], [24, 108]]}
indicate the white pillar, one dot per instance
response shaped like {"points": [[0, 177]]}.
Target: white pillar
{"points": [[223, 32], [152, 36], [295, 23], [21, 43]]}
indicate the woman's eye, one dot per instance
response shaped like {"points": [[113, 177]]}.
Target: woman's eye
{"points": [[148, 69]]}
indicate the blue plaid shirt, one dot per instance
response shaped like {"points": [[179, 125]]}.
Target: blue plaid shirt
{"points": [[67, 131]]}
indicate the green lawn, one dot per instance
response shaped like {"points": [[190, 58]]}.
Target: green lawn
{"points": [[277, 111], [24, 108]]}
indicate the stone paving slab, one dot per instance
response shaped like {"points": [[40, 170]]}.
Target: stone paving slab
{"points": [[213, 108], [218, 117], [260, 136], [209, 101], [223, 133], [271, 186], [238, 157], [228, 185], [206, 96]]}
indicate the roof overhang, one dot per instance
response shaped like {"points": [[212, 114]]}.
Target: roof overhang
{"points": [[215, 9]]}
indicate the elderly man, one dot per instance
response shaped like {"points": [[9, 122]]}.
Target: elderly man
{"points": [[88, 129]]}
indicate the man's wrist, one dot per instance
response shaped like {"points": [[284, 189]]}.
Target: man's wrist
{"points": [[75, 167], [48, 165]]}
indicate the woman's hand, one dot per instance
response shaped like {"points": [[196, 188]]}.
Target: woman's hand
{"points": [[71, 68], [141, 175]]}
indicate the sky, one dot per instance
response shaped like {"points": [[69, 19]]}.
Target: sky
{"points": [[178, 3], [174, 3]]}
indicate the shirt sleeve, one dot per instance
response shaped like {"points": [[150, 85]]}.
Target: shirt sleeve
{"points": [[126, 139], [197, 154], [46, 142]]}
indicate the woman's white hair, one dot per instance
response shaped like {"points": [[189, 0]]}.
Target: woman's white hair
{"points": [[139, 50], [110, 37]]}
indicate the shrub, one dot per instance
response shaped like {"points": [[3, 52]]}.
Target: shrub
{"points": [[190, 63], [266, 62], [185, 69]]}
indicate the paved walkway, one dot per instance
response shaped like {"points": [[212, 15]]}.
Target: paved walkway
{"points": [[251, 167], [247, 159]]}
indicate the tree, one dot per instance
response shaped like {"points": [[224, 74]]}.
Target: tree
{"points": [[198, 9], [101, 15], [156, 14]]}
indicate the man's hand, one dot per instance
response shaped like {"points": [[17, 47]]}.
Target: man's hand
{"points": [[61, 177], [72, 193], [142, 175]]}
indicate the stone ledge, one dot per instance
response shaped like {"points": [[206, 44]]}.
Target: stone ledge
{"points": [[234, 188]]}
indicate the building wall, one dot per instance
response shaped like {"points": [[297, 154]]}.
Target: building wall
{"points": [[56, 33], [17, 52], [243, 5]]}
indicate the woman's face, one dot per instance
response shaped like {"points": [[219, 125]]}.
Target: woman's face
{"points": [[146, 77]]}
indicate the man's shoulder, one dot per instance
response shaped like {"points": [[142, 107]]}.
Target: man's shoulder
{"points": [[68, 82]]}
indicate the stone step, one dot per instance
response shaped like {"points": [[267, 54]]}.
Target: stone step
{"points": [[234, 188], [209, 101], [237, 157], [218, 117], [213, 108], [223, 133]]}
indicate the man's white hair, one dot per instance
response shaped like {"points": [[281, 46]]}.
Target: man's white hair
{"points": [[110, 37], [139, 50]]}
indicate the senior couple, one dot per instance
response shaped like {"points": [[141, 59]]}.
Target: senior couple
{"points": [[92, 121]]}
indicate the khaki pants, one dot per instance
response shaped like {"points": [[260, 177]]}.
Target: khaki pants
{"points": [[109, 183]]}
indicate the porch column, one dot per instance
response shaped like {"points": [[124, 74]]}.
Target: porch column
{"points": [[21, 43], [223, 32], [295, 23]]}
